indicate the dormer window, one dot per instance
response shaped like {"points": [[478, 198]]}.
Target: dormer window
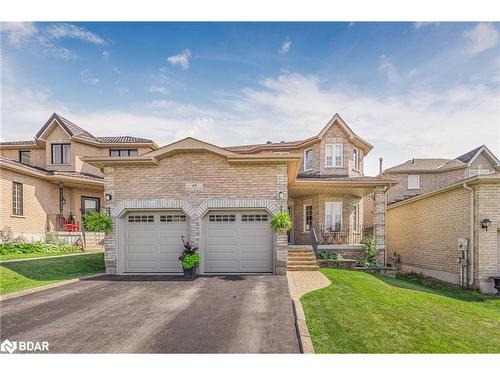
{"points": [[334, 155], [308, 159], [61, 153]]}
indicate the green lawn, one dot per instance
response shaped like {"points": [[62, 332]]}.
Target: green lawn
{"points": [[16, 276], [33, 255], [362, 313]]}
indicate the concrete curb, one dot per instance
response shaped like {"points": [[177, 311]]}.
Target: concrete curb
{"points": [[46, 287], [305, 342]]}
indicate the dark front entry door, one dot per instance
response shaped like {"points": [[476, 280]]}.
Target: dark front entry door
{"points": [[90, 204]]}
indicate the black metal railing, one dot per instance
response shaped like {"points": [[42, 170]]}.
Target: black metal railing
{"points": [[314, 240], [64, 222], [341, 234]]}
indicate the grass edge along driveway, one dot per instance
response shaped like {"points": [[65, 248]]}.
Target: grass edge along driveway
{"points": [[362, 313], [17, 276]]}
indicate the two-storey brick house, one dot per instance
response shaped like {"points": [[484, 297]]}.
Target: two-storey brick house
{"points": [[223, 198], [44, 181], [420, 176]]}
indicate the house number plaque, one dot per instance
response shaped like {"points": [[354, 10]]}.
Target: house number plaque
{"points": [[194, 186]]}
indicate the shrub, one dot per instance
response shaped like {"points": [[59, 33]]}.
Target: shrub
{"points": [[331, 256], [7, 236], [97, 222], [281, 221], [369, 254], [36, 247]]}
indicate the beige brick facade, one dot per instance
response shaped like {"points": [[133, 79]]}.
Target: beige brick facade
{"points": [[225, 184], [39, 199], [424, 231]]}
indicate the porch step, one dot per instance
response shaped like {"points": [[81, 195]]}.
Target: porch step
{"points": [[301, 263], [302, 268], [301, 258]]}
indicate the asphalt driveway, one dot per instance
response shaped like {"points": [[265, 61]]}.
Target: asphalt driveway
{"points": [[157, 314]]}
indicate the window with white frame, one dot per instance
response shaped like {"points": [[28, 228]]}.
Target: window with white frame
{"points": [[308, 159], [413, 181], [334, 155], [333, 215], [17, 199], [475, 172], [308, 217], [355, 158]]}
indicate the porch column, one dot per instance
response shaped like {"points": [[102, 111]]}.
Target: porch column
{"points": [[379, 212]]}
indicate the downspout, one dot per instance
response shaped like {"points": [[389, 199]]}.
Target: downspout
{"points": [[385, 222], [471, 235]]}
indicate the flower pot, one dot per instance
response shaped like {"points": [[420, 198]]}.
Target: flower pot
{"points": [[190, 273], [496, 280]]}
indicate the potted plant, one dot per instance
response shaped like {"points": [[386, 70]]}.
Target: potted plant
{"points": [[189, 259], [281, 221]]}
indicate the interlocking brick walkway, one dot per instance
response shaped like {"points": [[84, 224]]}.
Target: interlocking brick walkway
{"points": [[302, 282]]}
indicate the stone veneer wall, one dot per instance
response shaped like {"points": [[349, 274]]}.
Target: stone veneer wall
{"points": [[224, 186]]}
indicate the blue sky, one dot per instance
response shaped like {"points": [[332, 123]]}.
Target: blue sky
{"points": [[410, 89]]}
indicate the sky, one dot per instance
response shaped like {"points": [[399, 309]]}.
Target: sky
{"points": [[409, 89]]}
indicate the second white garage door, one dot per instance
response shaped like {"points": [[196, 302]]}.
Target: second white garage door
{"points": [[237, 242], [153, 241]]}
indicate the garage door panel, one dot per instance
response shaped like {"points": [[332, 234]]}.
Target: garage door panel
{"points": [[152, 244], [238, 246]]}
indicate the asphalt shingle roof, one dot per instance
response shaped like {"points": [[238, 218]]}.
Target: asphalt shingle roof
{"points": [[123, 139], [467, 157]]}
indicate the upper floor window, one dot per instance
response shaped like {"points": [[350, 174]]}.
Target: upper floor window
{"points": [[355, 158], [334, 155], [308, 159], [413, 181], [61, 153], [478, 171], [124, 152], [24, 157], [17, 199]]}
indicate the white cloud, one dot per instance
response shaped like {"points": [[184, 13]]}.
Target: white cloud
{"points": [[417, 123], [158, 89], [67, 30], [122, 90], [285, 46], [106, 54], [18, 32], [56, 51], [419, 25], [89, 78], [481, 38], [181, 59], [389, 69]]}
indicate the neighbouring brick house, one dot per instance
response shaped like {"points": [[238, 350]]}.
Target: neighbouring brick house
{"points": [[420, 176], [223, 198], [442, 231], [44, 183]]}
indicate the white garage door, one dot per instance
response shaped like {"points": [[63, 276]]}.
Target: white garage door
{"points": [[153, 241], [237, 242]]}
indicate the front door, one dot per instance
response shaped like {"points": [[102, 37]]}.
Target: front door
{"points": [[90, 204], [291, 239]]}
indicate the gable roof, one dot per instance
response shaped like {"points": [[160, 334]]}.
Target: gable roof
{"points": [[189, 144], [301, 143], [440, 165], [76, 132], [471, 155]]}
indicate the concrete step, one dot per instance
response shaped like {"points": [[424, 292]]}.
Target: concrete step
{"points": [[301, 263], [302, 268], [295, 252]]}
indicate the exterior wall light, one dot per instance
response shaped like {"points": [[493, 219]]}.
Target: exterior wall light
{"points": [[281, 195], [108, 197], [485, 223]]}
